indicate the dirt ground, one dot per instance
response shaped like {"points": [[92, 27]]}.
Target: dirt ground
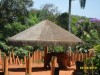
{"points": [[36, 70]]}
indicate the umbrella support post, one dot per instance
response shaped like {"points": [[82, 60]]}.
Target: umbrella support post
{"points": [[45, 55]]}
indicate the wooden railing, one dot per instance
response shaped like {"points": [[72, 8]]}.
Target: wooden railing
{"points": [[38, 56]]}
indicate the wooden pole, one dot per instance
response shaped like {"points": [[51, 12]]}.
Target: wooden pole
{"points": [[75, 57], [40, 56], [45, 55], [53, 62], [6, 66], [21, 61], [89, 55], [78, 57], [3, 63], [24, 59], [36, 55], [29, 54], [29, 66], [0, 53], [10, 58], [72, 57], [13, 57], [18, 60], [0, 58], [81, 59], [26, 66], [85, 55], [33, 56]]}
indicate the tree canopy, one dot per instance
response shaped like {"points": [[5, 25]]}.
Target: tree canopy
{"points": [[14, 11]]}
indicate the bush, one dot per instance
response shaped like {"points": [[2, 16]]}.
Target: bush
{"points": [[97, 57]]}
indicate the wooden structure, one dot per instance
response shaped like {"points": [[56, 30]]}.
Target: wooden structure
{"points": [[45, 34], [74, 57]]}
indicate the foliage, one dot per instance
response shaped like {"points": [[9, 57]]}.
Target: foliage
{"points": [[96, 60], [87, 32], [75, 22], [62, 20], [48, 11], [31, 49], [20, 52], [12, 29], [16, 27], [5, 48], [84, 29], [96, 22], [56, 49], [14, 11], [59, 49], [97, 48], [32, 19], [15, 17], [23, 51]]}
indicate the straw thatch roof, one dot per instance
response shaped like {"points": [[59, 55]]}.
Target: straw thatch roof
{"points": [[45, 33]]}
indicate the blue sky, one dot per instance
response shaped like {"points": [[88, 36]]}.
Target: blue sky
{"points": [[91, 9]]}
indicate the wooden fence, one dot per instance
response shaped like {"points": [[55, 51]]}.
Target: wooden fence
{"points": [[38, 56], [80, 56]]}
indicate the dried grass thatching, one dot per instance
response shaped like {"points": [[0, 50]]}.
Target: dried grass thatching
{"points": [[45, 33]]}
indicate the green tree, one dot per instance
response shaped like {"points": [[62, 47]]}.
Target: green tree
{"points": [[12, 29], [15, 17], [48, 11], [62, 20], [32, 18], [82, 4], [87, 32], [14, 10]]}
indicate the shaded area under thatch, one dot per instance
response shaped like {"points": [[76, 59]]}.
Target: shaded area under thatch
{"points": [[45, 33]]}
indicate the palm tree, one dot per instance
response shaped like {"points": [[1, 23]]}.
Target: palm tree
{"points": [[82, 5]]}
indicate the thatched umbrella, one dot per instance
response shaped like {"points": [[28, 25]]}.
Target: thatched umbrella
{"points": [[45, 33]]}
